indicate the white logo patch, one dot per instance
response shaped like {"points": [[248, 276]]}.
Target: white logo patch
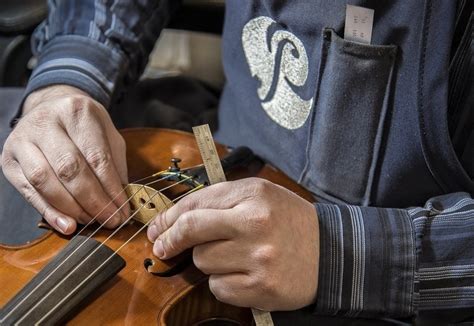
{"points": [[279, 101]]}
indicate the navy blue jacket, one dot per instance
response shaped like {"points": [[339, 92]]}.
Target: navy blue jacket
{"points": [[368, 128]]}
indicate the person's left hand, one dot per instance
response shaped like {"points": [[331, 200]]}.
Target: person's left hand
{"points": [[259, 242]]}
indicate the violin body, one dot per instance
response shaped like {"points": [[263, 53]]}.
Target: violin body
{"points": [[135, 296]]}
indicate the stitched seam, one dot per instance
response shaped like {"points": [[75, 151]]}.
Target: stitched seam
{"points": [[421, 85], [324, 49]]}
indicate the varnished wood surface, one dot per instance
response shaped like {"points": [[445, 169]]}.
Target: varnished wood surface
{"points": [[135, 296]]}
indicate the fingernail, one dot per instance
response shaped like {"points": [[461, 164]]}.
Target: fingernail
{"points": [[63, 224], [152, 232], [158, 249]]}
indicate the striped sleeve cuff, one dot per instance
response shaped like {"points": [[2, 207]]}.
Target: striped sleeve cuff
{"points": [[446, 268], [367, 262], [80, 62]]}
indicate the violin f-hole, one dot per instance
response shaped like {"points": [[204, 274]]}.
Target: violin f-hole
{"points": [[169, 267]]}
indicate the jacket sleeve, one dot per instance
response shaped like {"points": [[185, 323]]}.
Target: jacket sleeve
{"points": [[96, 45], [396, 262]]}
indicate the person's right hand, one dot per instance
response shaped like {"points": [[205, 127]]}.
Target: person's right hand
{"points": [[67, 159]]}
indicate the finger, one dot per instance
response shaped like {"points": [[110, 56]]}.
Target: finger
{"points": [[223, 195], [74, 173], [55, 218], [117, 146], [236, 289], [41, 176], [96, 150], [118, 149], [213, 257], [193, 228]]}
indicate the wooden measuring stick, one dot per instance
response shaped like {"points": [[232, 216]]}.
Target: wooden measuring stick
{"points": [[215, 174]]}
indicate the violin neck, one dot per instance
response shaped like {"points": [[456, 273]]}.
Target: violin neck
{"points": [[59, 287]]}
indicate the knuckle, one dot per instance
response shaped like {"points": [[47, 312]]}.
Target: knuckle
{"points": [[249, 283], [41, 115], [269, 287], [252, 281], [39, 118], [265, 284], [79, 105], [260, 186], [11, 141], [260, 221], [77, 102], [265, 256], [188, 203], [49, 216], [68, 167], [188, 224], [29, 194], [7, 162], [98, 159], [218, 289], [198, 260], [38, 177], [37, 121], [161, 221], [168, 244]]}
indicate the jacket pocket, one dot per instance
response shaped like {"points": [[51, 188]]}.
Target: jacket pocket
{"points": [[353, 96]]}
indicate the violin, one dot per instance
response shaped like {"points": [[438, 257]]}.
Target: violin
{"points": [[100, 276]]}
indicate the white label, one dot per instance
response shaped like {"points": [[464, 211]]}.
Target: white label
{"points": [[359, 21]]}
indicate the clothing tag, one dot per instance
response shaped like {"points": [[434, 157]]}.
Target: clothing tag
{"points": [[359, 21]]}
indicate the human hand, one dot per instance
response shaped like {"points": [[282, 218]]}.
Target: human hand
{"points": [[67, 159], [259, 242]]}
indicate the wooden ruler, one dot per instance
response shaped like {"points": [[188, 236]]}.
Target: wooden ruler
{"points": [[215, 174], [208, 150]]}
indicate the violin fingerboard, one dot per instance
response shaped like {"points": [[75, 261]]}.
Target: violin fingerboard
{"points": [[53, 294]]}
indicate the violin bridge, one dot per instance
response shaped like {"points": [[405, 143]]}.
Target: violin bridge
{"points": [[146, 202]]}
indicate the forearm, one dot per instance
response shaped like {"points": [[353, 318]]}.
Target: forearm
{"points": [[96, 47], [396, 262]]}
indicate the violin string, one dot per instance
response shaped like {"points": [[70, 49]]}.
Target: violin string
{"points": [[105, 262], [128, 201], [111, 201], [96, 216], [99, 246], [85, 240], [116, 196], [100, 226], [161, 198]]}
